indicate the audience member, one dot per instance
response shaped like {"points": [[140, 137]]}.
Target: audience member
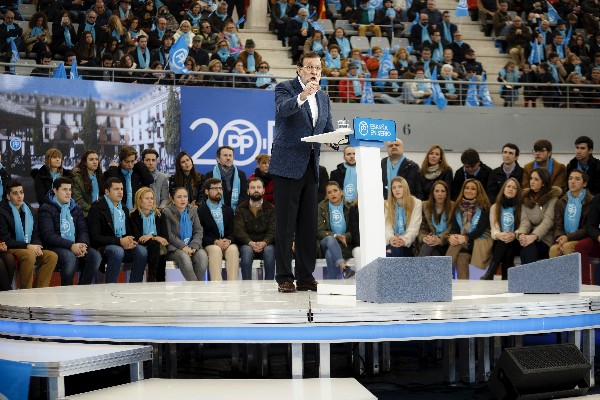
{"points": [[5, 179], [187, 177], [339, 37], [254, 230], [64, 37], [200, 56], [19, 232], [509, 168], [64, 231], [435, 225], [403, 217], [219, 17], [141, 53], [333, 232], [7, 268], [537, 216], [501, 19], [48, 173], [218, 241], [131, 173], [317, 43], [91, 25], [363, 19], [590, 246], [209, 38], [396, 164], [37, 35], [229, 33], [518, 38], [297, 30], [509, 75], [10, 32], [447, 28], [155, 36], [585, 161], [530, 93], [421, 33], [542, 154], [160, 186], [472, 168], [235, 184], [262, 172], [469, 240], [224, 55], [280, 11], [433, 168], [345, 175], [87, 181]]}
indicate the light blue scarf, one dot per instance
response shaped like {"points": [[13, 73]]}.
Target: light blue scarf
{"points": [[424, 34], [390, 12], [67, 226], [350, 183], [233, 40], [149, 224], [251, 63], [400, 227], [68, 37], [222, 16], [392, 171], [317, 47], [441, 226], [337, 222], [38, 31], [54, 175], [573, 211], [264, 79], [355, 85], [334, 63], [301, 21], [161, 33], [554, 72], [235, 190], [129, 200], [194, 20], [550, 165], [370, 12], [449, 85], [22, 235], [217, 213], [144, 59], [123, 14], [133, 34], [507, 219], [95, 187], [223, 54], [560, 50], [185, 226], [90, 28], [438, 53], [118, 217], [446, 32], [282, 8], [474, 220], [344, 45]]}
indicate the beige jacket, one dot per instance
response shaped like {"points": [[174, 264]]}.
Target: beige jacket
{"points": [[538, 218]]}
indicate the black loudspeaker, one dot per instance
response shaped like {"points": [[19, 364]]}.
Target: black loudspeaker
{"points": [[540, 372]]}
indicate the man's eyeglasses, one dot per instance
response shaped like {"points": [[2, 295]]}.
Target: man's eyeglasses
{"points": [[263, 67], [218, 189], [311, 68]]}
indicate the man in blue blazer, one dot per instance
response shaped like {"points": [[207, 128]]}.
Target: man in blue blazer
{"points": [[301, 110]]}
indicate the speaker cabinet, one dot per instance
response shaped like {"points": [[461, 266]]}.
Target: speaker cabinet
{"points": [[540, 372]]}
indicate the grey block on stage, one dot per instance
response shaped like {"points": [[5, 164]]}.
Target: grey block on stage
{"points": [[405, 280], [555, 275]]}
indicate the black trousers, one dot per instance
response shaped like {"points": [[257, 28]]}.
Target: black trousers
{"points": [[504, 253], [296, 220]]}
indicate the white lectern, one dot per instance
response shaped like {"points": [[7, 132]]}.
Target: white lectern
{"points": [[370, 190]]}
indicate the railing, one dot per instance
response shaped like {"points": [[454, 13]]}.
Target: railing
{"points": [[554, 95]]}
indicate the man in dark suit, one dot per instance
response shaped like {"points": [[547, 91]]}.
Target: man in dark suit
{"points": [[396, 164], [301, 110]]}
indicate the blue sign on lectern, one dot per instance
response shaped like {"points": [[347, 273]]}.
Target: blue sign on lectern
{"points": [[372, 131]]}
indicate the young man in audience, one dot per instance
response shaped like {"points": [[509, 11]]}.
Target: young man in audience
{"points": [[510, 168], [235, 183], [160, 186], [590, 246], [542, 154], [254, 231], [345, 175], [472, 168], [131, 173], [585, 161], [111, 233], [64, 230], [396, 164], [217, 220], [19, 230]]}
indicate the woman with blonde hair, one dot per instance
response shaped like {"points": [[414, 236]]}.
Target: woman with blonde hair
{"points": [[505, 216], [437, 215], [402, 219], [185, 31], [470, 242], [433, 168], [48, 173], [402, 61], [115, 29], [230, 34], [150, 230]]}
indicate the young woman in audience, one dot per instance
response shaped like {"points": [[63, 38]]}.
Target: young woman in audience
{"points": [[64, 37], [127, 74], [7, 268], [37, 36], [150, 230], [262, 172], [402, 61], [571, 215], [435, 227], [194, 15], [403, 216], [116, 29], [317, 43], [112, 47], [88, 181], [185, 236], [333, 232], [470, 242], [241, 78], [86, 51], [187, 177], [537, 216], [230, 34], [134, 31], [509, 75], [223, 55], [505, 216], [433, 168], [162, 53], [191, 79], [47, 173]]}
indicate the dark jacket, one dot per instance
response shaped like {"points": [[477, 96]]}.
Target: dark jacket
{"points": [[593, 224], [100, 223], [353, 223], [211, 231], [195, 191], [140, 177], [459, 178], [249, 228], [338, 175], [424, 185], [559, 218], [227, 193], [7, 227], [498, 177], [324, 226], [481, 228], [137, 224], [408, 170], [49, 224], [323, 180], [6, 178], [42, 181], [593, 173]]}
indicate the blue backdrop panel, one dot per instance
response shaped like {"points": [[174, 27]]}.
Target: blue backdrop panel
{"points": [[213, 117], [14, 380]]}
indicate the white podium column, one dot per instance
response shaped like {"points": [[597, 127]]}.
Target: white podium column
{"points": [[370, 204]]}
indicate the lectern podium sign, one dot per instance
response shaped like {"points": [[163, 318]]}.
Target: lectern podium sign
{"points": [[376, 130]]}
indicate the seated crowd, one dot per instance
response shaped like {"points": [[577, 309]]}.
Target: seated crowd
{"points": [[91, 220], [119, 34]]}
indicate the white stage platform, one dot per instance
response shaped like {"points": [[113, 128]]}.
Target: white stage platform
{"points": [[254, 312]]}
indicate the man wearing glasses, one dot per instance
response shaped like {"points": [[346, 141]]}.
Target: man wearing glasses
{"points": [[301, 110]]}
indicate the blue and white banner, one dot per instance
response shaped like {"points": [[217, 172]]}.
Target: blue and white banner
{"points": [[177, 56], [242, 119]]}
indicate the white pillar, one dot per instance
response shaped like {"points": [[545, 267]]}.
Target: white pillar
{"points": [[256, 15]]}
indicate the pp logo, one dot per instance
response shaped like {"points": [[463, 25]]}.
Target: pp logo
{"points": [[217, 214], [571, 211], [240, 134], [235, 193], [65, 227], [508, 219], [15, 144], [363, 128], [336, 216], [349, 190], [475, 220], [179, 58]]}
